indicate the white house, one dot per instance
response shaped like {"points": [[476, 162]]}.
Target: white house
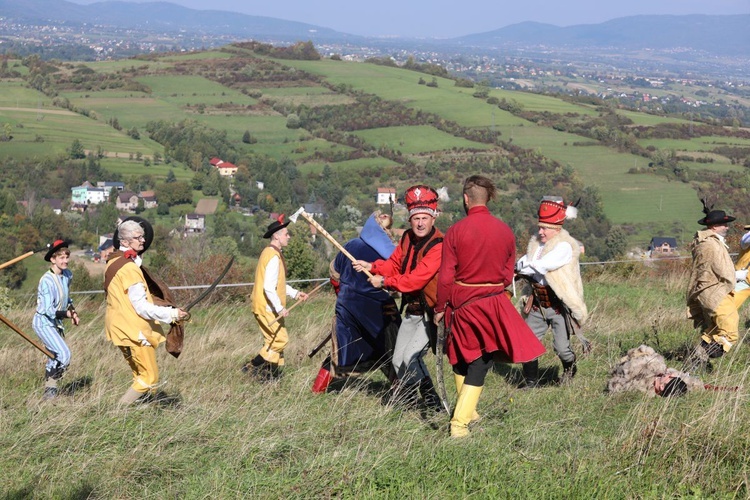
{"points": [[386, 196], [86, 194], [194, 224]]}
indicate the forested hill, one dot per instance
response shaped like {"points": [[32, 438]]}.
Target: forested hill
{"points": [[164, 16], [725, 35]]}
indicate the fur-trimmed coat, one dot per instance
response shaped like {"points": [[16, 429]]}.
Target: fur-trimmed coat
{"points": [[712, 276], [566, 280], [637, 370]]}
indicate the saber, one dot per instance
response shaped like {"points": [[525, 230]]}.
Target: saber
{"points": [[31, 341], [20, 258], [299, 302], [320, 346], [439, 367], [211, 287], [325, 233]]}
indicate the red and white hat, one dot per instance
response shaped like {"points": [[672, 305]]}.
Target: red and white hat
{"points": [[553, 212], [421, 199]]}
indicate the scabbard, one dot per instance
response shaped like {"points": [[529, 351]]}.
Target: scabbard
{"points": [[441, 336]]}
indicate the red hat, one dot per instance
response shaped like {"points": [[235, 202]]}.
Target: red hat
{"points": [[553, 212], [421, 199], [54, 247]]}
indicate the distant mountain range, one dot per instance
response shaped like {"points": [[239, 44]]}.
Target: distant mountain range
{"points": [[163, 16], [717, 35], [726, 35]]}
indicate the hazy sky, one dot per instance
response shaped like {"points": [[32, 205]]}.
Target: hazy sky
{"points": [[451, 18]]}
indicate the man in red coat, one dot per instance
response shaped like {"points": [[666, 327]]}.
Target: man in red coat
{"points": [[411, 270], [479, 255]]}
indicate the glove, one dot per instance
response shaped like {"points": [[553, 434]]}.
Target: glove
{"points": [[741, 275]]}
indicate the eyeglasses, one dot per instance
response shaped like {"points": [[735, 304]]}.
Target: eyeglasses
{"points": [[140, 238]]}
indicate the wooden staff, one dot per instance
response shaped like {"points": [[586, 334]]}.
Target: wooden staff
{"points": [[327, 236], [17, 259], [31, 341], [299, 302]]}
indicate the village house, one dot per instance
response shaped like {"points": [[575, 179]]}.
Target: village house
{"points": [[386, 196], [87, 194], [315, 209], [126, 202], [194, 224], [225, 168], [662, 247], [149, 199], [105, 248], [109, 186]]}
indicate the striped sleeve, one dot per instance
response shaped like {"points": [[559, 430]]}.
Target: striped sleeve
{"points": [[46, 297]]}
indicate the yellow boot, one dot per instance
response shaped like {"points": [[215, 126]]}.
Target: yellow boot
{"points": [[459, 379], [465, 408]]}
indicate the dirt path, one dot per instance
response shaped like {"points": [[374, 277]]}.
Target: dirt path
{"points": [[94, 268]]}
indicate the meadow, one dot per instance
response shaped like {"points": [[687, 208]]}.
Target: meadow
{"points": [[230, 436], [642, 201], [628, 198]]}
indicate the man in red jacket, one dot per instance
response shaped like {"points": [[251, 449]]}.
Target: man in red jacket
{"points": [[412, 270], [479, 255]]}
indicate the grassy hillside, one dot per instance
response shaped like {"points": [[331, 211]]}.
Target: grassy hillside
{"points": [[233, 437], [431, 132]]}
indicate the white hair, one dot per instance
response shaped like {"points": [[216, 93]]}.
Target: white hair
{"points": [[129, 230]]}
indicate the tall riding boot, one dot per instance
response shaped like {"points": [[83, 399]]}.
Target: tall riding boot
{"points": [[430, 396], [569, 371], [465, 408], [531, 374], [459, 384]]}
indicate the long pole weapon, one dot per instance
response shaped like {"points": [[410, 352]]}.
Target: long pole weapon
{"points": [[298, 302], [20, 258], [31, 341], [309, 218]]}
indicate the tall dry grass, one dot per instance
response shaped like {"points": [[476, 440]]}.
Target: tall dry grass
{"points": [[233, 437]]}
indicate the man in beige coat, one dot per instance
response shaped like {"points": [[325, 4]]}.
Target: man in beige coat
{"points": [[711, 287]]}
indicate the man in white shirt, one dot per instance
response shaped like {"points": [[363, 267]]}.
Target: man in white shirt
{"points": [[269, 301], [556, 292]]}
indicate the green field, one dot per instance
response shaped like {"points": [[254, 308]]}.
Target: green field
{"points": [[348, 165], [187, 89], [16, 94], [628, 198], [416, 140], [58, 128]]}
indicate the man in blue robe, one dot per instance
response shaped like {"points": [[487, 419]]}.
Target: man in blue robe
{"points": [[367, 318]]}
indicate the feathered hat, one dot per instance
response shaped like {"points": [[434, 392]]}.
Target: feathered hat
{"points": [[276, 225], [553, 211], [421, 199], [714, 217], [54, 247]]}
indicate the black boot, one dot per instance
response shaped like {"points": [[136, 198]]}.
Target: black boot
{"points": [[714, 349], [531, 374], [402, 395], [430, 397], [569, 371]]}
